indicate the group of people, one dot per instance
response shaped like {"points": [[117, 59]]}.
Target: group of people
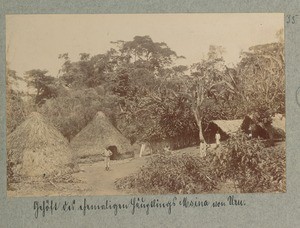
{"points": [[107, 153]]}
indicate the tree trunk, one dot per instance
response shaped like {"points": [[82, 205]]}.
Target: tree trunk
{"points": [[202, 140], [202, 146]]}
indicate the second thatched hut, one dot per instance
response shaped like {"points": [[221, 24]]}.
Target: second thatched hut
{"points": [[92, 140], [224, 127]]}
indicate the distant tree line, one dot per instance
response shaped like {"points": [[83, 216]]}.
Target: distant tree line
{"points": [[150, 98]]}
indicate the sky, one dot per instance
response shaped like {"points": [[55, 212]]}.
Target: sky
{"points": [[35, 41]]}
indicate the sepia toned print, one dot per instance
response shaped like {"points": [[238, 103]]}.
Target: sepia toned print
{"points": [[145, 104]]}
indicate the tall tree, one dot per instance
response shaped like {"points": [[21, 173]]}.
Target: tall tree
{"points": [[262, 70], [206, 76], [89, 71], [155, 55], [135, 80], [45, 85]]}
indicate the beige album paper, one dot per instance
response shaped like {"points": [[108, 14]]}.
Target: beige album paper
{"points": [[121, 117]]}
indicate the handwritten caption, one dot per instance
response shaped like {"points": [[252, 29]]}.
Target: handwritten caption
{"points": [[50, 207]]}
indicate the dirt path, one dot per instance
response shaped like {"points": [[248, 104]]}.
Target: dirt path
{"points": [[93, 180], [101, 182]]}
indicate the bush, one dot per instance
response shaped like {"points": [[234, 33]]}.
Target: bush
{"points": [[181, 173], [12, 175], [253, 167]]}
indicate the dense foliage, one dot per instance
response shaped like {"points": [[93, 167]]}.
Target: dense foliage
{"points": [[148, 97], [15, 107], [248, 163], [253, 167], [179, 173]]}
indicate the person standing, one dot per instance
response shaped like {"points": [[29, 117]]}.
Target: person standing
{"points": [[218, 137], [250, 132], [107, 154], [143, 147]]}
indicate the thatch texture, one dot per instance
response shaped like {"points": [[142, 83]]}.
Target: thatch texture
{"points": [[96, 136], [278, 121], [36, 148], [229, 126], [259, 130], [224, 127]]}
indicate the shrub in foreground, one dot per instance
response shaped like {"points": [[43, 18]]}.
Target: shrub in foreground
{"points": [[178, 173], [251, 166], [248, 163]]}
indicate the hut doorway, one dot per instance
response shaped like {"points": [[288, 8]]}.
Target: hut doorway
{"points": [[211, 131], [114, 151]]}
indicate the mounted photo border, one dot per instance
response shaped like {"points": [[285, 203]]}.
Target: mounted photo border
{"points": [[246, 210]]}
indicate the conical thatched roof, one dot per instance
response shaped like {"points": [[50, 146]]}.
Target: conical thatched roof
{"points": [[98, 135], [36, 148]]}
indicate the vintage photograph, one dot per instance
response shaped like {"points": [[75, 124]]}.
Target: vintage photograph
{"points": [[145, 104]]}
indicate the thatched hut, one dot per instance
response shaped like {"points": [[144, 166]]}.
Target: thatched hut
{"points": [[224, 127], [36, 149], [99, 134], [258, 130], [278, 121], [247, 125]]}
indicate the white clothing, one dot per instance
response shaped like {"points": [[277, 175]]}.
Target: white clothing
{"points": [[218, 137]]}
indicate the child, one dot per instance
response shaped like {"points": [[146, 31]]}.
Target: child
{"points": [[107, 154]]}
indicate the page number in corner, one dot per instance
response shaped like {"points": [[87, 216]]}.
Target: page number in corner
{"points": [[291, 19]]}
